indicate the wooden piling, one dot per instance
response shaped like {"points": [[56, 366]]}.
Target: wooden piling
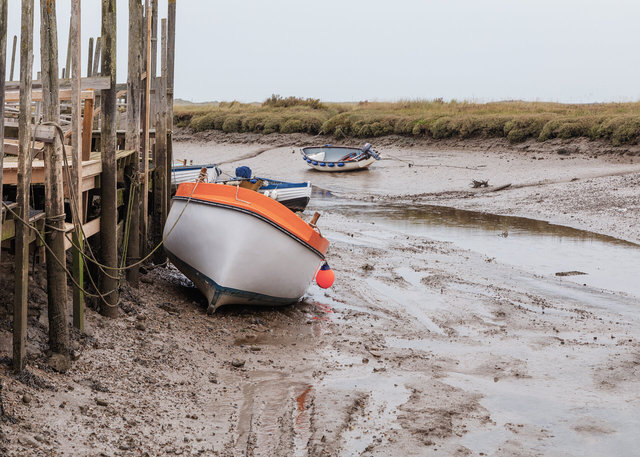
{"points": [[54, 191], [75, 38], [24, 181], [69, 51], [90, 58], [154, 38], [108, 185], [13, 55], [160, 174], [96, 57], [171, 53], [3, 66], [146, 147], [154, 62], [132, 138]]}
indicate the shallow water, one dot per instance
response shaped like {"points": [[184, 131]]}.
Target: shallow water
{"points": [[544, 248]]}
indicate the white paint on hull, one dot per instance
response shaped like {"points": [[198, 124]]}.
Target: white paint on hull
{"points": [[348, 166], [240, 252]]}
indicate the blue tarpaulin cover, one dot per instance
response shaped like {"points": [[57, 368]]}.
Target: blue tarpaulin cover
{"points": [[243, 172]]}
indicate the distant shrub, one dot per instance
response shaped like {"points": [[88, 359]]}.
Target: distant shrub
{"points": [[276, 101], [232, 124], [569, 128], [292, 126], [520, 128], [442, 128], [271, 125]]}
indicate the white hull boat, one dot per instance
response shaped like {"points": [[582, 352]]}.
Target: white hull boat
{"points": [[240, 247], [339, 158]]}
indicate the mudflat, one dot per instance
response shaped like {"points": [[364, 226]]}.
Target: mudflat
{"points": [[427, 344]]}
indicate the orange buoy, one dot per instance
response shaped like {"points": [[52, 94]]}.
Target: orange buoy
{"points": [[325, 276]]}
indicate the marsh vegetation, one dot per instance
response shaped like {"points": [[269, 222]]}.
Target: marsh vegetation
{"points": [[517, 121]]}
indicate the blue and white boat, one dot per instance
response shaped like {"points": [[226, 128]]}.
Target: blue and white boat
{"points": [[293, 195], [339, 158]]}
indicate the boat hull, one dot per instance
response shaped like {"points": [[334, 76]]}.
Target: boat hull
{"points": [[348, 166], [236, 257], [190, 173], [338, 158], [294, 196]]}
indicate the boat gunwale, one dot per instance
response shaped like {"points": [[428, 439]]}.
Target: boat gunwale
{"points": [[323, 243]]}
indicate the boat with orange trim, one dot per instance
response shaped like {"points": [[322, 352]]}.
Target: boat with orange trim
{"points": [[240, 247]]}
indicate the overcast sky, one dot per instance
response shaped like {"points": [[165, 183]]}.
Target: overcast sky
{"points": [[351, 50]]}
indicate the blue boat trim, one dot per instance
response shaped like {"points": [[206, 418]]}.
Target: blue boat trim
{"points": [[314, 162], [221, 291], [331, 164], [322, 164], [341, 164], [275, 184], [245, 211]]}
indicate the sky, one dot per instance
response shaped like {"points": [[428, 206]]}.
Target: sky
{"points": [[573, 51]]}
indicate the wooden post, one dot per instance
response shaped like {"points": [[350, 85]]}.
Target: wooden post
{"points": [[108, 184], [87, 129], [132, 137], [160, 157], [90, 58], [154, 62], [3, 66], [96, 56], [154, 38], [13, 55], [24, 182], [69, 51], [146, 147], [54, 191], [75, 46], [171, 47]]}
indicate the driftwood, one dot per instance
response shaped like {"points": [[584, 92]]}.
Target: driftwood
{"points": [[505, 186], [479, 183]]}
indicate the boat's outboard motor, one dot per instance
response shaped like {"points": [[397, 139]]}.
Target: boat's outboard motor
{"points": [[368, 149]]}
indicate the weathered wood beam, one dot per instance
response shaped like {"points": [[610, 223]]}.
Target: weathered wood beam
{"points": [[87, 129], [160, 173], [24, 181], [65, 94], [108, 185], [171, 53], [92, 82], [90, 58], [146, 147], [54, 193], [13, 56], [75, 40], [44, 133], [3, 66], [96, 56], [132, 138]]}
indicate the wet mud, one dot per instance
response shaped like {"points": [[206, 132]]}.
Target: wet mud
{"points": [[444, 333]]}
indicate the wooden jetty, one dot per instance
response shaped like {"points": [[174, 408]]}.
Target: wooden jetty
{"points": [[85, 161]]}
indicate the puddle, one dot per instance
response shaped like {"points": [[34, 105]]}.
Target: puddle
{"points": [[544, 248]]}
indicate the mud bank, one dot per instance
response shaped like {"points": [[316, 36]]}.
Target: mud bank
{"points": [[421, 347]]}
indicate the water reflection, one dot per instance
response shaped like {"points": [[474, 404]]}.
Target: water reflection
{"points": [[609, 263]]}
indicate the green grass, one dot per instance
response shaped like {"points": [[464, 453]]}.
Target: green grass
{"points": [[618, 123]]}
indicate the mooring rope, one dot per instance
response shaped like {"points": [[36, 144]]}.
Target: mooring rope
{"points": [[79, 229]]}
